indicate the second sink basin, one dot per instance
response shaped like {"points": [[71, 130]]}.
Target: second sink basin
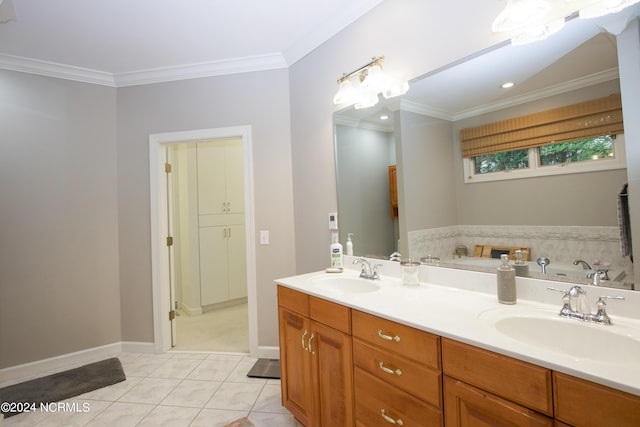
{"points": [[344, 284], [611, 344]]}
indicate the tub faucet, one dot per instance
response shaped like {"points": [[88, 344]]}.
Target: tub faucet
{"points": [[367, 271], [396, 256], [585, 264], [543, 262]]}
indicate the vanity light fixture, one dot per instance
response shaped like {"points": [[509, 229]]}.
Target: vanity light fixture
{"points": [[372, 81], [604, 7], [528, 20], [533, 20]]}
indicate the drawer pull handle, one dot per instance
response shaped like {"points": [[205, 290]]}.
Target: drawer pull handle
{"points": [[397, 372], [304, 347], [388, 337], [390, 420], [310, 348]]}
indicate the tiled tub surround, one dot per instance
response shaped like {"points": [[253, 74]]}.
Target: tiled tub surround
{"points": [[449, 303], [561, 244]]}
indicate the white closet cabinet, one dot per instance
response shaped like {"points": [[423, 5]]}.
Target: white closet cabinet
{"points": [[221, 221]]}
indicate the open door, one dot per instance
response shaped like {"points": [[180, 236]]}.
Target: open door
{"points": [[170, 250]]}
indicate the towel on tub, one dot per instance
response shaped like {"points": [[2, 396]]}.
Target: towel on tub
{"points": [[624, 223]]}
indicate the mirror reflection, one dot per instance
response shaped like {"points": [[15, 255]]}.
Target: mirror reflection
{"points": [[446, 216]]}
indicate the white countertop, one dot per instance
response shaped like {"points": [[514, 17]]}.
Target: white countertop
{"points": [[457, 304]]}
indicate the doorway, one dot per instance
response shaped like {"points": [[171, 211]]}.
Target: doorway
{"points": [[165, 269]]}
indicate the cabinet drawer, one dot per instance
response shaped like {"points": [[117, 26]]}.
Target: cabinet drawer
{"points": [[414, 344], [374, 396], [583, 403], [467, 405], [293, 300], [331, 314], [415, 379], [512, 379]]}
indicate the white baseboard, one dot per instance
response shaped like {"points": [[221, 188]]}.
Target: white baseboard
{"points": [[268, 352], [137, 347]]}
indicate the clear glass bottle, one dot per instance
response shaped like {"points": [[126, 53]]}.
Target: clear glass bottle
{"points": [[506, 278], [521, 267]]}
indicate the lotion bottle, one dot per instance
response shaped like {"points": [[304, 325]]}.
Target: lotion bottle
{"points": [[336, 252], [349, 246], [506, 278]]}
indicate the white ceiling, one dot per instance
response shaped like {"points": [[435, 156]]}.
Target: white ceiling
{"points": [[120, 42]]}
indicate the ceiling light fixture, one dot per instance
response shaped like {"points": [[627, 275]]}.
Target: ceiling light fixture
{"points": [[372, 82], [7, 11], [507, 85]]}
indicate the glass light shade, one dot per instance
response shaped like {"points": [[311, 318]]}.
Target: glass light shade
{"points": [[520, 14], [347, 94], [366, 99], [376, 81], [605, 7], [537, 32], [396, 88]]}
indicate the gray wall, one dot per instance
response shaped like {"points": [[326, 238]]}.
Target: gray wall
{"points": [[59, 284], [258, 99], [425, 177], [364, 156], [588, 199]]}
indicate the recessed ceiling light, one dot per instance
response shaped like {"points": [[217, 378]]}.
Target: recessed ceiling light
{"points": [[507, 85], [384, 117]]}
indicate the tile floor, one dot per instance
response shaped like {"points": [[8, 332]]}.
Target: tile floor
{"points": [[173, 389]]}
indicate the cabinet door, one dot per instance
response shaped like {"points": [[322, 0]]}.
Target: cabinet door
{"points": [[295, 363], [465, 405], [214, 277], [212, 196], [237, 261], [234, 167], [332, 367]]}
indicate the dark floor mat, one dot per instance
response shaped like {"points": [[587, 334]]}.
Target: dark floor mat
{"points": [[60, 386], [265, 368]]}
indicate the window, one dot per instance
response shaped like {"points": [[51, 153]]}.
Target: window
{"points": [[582, 155]]}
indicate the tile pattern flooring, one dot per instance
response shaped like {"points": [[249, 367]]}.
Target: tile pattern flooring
{"points": [[174, 389]]}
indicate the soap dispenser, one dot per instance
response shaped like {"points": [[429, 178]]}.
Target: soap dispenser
{"points": [[349, 246], [521, 267], [336, 252], [506, 278]]}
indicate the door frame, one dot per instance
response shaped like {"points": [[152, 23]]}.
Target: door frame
{"points": [[158, 203]]}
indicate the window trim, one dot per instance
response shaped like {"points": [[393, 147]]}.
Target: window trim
{"points": [[536, 170]]}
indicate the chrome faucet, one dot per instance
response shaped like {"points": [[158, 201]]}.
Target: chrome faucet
{"points": [[367, 272], [543, 262], [585, 264], [582, 309], [597, 276]]}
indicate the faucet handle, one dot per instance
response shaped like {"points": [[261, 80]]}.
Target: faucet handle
{"points": [[374, 273], [601, 316], [566, 309]]}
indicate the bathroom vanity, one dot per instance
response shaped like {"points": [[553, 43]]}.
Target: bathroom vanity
{"points": [[357, 352]]}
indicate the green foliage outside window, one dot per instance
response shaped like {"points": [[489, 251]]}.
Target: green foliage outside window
{"points": [[517, 159], [565, 152], [577, 151]]}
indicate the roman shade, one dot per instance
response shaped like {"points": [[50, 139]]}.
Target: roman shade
{"points": [[588, 119]]}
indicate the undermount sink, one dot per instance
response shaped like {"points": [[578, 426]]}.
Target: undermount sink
{"points": [[344, 284], [611, 344]]}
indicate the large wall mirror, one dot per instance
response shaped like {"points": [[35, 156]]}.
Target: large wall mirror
{"points": [[565, 218]]}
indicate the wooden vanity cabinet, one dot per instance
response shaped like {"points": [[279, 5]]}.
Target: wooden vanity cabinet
{"points": [[397, 373], [316, 359]]}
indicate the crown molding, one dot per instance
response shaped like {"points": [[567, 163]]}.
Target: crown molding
{"points": [[593, 79], [52, 69], [142, 77], [206, 69]]}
